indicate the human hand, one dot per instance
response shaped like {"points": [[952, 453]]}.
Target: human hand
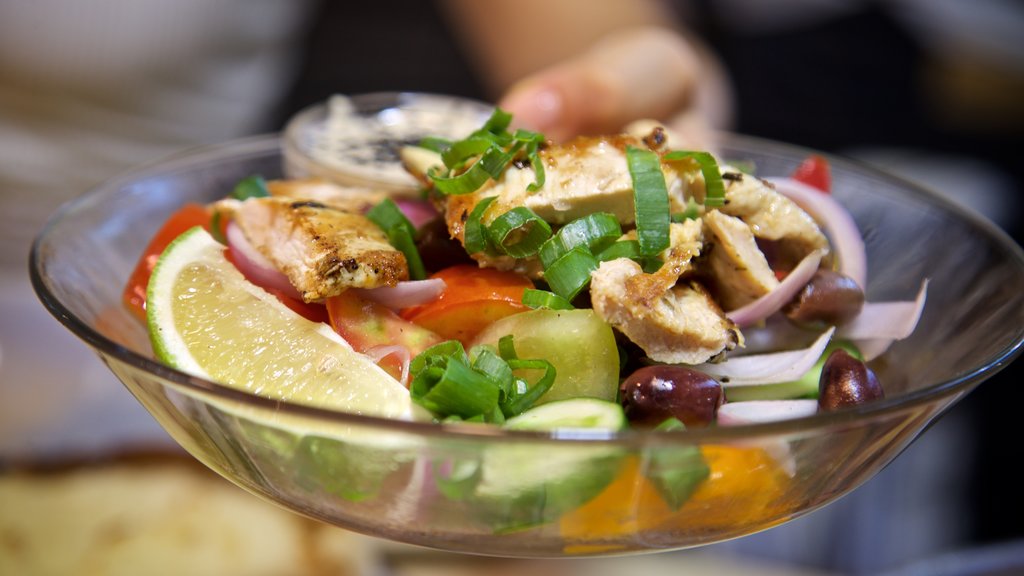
{"points": [[647, 72]]}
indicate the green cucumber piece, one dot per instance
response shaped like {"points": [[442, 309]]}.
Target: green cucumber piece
{"points": [[577, 343], [525, 484]]}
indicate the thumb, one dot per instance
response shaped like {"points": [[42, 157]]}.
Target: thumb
{"points": [[638, 73]]}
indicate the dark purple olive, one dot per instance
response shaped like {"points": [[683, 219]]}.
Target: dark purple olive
{"points": [[437, 248], [846, 381], [654, 394], [829, 298]]}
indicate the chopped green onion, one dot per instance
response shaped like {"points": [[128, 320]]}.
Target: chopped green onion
{"points": [[401, 234], [488, 362], [519, 232], [544, 299], [675, 470], [252, 187], [493, 146], [507, 347], [404, 243], [570, 274], [533, 141], [650, 196], [621, 249], [387, 215], [434, 144], [651, 265], [216, 227], [474, 235], [498, 122], [456, 154], [540, 177], [692, 212], [458, 479], [469, 181], [594, 231], [714, 188], [525, 400], [455, 389]]}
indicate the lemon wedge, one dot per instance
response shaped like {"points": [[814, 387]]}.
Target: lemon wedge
{"points": [[207, 320]]}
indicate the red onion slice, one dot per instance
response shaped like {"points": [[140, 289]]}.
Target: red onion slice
{"points": [[879, 324], [405, 294], [768, 368], [419, 212], [837, 222], [378, 353], [760, 411], [781, 295], [255, 266]]}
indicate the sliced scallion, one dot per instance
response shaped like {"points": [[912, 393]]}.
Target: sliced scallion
{"points": [[650, 196], [456, 389], [434, 144], [595, 231], [252, 187], [528, 398], [507, 347], [474, 235], [692, 212], [401, 234], [544, 299], [570, 274], [458, 152], [519, 232], [621, 249], [714, 188]]}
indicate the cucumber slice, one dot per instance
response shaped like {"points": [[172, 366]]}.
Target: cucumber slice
{"points": [[578, 344], [524, 484], [572, 413]]}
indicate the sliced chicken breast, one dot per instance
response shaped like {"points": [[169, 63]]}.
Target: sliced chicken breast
{"points": [[737, 270], [682, 326], [772, 216], [322, 250]]}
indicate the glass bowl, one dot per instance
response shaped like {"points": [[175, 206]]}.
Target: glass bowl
{"points": [[487, 491]]}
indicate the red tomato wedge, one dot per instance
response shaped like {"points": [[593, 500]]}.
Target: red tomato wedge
{"points": [[311, 312], [189, 216], [365, 324], [473, 298], [815, 172]]}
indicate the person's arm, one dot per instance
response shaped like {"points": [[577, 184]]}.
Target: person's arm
{"points": [[578, 66]]}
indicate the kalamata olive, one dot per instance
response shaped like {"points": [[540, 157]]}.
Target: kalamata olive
{"points": [[436, 247], [846, 381], [654, 394], [829, 298]]}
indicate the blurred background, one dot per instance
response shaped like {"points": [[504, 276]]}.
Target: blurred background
{"points": [[932, 90]]}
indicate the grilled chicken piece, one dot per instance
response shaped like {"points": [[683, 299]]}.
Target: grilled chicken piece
{"points": [[583, 176], [345, 198], [771, 216], [322, 250], [682, 326], [685, 243], [738, 270]]}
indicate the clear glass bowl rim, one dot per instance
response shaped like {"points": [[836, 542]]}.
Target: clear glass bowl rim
{"points": [[271, 143]]}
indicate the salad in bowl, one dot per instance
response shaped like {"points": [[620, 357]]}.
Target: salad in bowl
{"points": [[613, 269], [602, 346]]}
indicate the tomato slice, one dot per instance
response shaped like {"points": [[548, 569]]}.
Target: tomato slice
{"points": [[365, 324], [310, 311], [815, 172], [473, 298], [189, 216]]}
